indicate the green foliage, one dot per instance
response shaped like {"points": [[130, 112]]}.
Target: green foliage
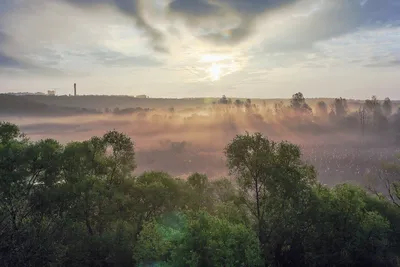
{"points": [[345, 232], [274, 183], [210, 241], [8, 132], [80, 204], [159, 238]]}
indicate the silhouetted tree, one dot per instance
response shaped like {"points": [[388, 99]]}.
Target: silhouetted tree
{"points": [[372, 104], [362, 117], [238, 103], [340, 107], [387, 107], [223, 100], [298, 103], [322, 109], [374, 109], [247, 104]]}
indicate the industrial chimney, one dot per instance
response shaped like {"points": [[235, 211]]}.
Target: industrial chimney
{"points": [[74, 89]]}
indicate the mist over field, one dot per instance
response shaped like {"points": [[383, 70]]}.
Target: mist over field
{"points": [[192, 137], [202, 133]]}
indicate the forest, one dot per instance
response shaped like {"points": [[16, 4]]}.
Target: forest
{"points": [[82, 204]]}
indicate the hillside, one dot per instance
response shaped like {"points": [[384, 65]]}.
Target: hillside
{"points": [[11, 105], [112, 101]]}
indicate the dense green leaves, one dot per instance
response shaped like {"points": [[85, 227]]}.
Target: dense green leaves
{"points": [[81, 204], [211, 241]]}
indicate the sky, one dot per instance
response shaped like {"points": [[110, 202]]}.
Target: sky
{"points": [[200, 48]]}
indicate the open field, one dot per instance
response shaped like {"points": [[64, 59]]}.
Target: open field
{"points": [[183, 143]]}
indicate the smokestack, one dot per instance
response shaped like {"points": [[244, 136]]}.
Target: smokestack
{"points": [[74, 89]]}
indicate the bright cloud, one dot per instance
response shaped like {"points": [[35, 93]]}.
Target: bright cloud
{"points": [[183, 48]]}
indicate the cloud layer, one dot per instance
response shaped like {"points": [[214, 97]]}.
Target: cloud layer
{"points": [[261, 40]]}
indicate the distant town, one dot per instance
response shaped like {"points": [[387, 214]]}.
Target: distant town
{"points": [[53, 92]]}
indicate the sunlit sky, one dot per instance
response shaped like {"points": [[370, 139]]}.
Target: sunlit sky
{"points": [[192, 48]]}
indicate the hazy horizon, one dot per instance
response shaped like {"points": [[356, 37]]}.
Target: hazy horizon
{"points": [[200, 48], [232, 97]]}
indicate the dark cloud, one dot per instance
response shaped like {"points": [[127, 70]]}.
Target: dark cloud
{"points": [[230, 36], [335, 19], [252, 7], [131, 8], [246, 10], [12, 65], [126, 6], [3, 37], [205, 8], [331, 18], [6, 6], [10, 62], [7, 61], [201, 8]]}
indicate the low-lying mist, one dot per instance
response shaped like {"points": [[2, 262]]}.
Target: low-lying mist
{"points": [[193, 141]]}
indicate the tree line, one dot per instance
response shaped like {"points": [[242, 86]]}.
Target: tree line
{"points": [[81, 204], [371, 115]]}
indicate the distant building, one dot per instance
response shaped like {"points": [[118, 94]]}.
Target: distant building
{"points": [[142, 96], [26, 93], [74, 89], [51, 92]]}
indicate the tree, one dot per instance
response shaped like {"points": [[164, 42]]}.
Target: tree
{"points": [[199, 192], [223, 100], [26, 168], [387, 107], [298, 104], [248, 103], [374, 109], [238, 103], [372, 104], [340, 107], [9, 132], [211, 241], [80, 204], [322, 109], [358, 236], [389, 178], [362, 118], [270, 176]]}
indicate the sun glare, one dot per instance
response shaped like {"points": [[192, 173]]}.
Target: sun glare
{"points": [[213, 58], [216, 65], [215, 72]]}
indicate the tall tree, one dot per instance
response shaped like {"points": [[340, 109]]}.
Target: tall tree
{"points": [[387, 107], [322, 109], [372, 104], [374, 110], [270, 176], [298, 103], [340, 107]]}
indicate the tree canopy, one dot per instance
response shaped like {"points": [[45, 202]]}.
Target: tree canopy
{"points": [[82, 204]]}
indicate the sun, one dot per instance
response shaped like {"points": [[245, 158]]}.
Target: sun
{"points": [[215, 71]]}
